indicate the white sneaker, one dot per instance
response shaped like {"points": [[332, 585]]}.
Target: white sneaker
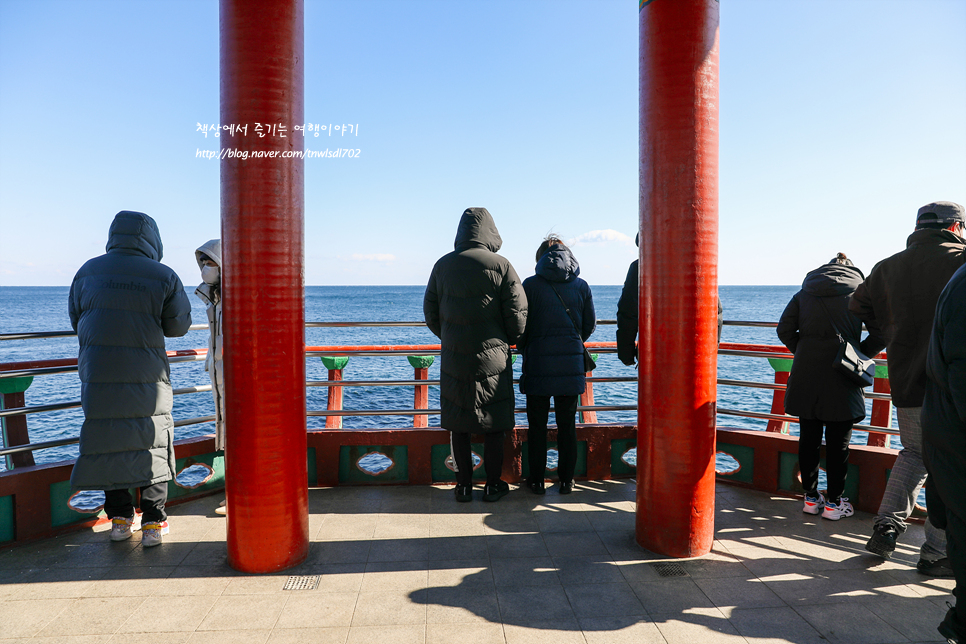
{"points": [[151, 533], [813, 504], [221, 510], [121, 528], [836, 511]]}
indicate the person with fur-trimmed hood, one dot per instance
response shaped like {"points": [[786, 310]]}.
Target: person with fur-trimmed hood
{"points": [[475, 304], [208, 257]]}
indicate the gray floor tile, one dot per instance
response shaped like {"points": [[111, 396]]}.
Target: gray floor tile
{"points": [[308, 609], [773, 625], [593, 569], [853, 623], [521, 605], [168, 614], [505, 546], [92, 616], [26, 618], [705, 625], [630, 629], [467, 604], [574, 544], [671, 595], [603, 600], [739, 592], [390, 608], [537, 571], [243, 612]]}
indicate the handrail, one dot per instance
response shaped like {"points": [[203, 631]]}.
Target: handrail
{"points": [[44, 367], [793, 419], [38, 335]]}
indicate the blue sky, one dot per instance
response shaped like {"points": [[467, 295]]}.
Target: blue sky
{"points": [[838, 120]]}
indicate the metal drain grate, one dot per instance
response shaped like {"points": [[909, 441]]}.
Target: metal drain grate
{"points": [[670, 570], [305, 582]]}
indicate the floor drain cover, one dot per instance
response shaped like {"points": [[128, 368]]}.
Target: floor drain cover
{"points": [[670, 570], [306, 582]]}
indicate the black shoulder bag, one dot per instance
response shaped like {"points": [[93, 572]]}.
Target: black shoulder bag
{"points": [[849, 361], [589, 364]]}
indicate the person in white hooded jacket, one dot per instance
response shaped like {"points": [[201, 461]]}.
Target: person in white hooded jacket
{"points": [[209, 261]]}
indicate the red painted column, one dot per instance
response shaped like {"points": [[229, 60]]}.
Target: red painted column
{"points": [[678, 275], [778, 404], [334, 400], [15, 428], [262, 201], [421, 397], [881, 413]]}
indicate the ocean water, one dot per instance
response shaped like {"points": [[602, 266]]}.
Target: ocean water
{"points": [[25, 309]]}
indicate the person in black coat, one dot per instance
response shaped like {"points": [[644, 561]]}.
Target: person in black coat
{"points": [[817, 393], [561, 317], [475, 304], [944, 439], [627, 307]]}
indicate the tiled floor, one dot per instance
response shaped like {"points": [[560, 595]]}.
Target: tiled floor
{"points": [[409, 564]]}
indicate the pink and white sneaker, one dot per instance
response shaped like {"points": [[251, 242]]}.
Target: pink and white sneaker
{"points": [[814, 504], [839, 510]]}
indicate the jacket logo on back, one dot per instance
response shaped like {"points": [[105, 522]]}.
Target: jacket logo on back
{"points": [[122, 286]]}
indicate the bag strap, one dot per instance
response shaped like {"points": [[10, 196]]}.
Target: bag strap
{"points": [[567, 308], [821, 301]]}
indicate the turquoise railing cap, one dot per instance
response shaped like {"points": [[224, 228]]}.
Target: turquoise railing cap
{"points": [[335, 362], [421, 362]]}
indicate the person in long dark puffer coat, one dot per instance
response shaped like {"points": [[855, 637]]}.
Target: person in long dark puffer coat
{"points": [[553, 358], [122, 305], [475, 304], [944, 439], [817, 393]]}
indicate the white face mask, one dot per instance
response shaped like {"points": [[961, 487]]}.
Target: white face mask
{"points": [[211, 274]]}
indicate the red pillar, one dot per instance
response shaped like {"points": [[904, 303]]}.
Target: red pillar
{"points": [[778, 404], [678, 275], [334, 401], [15, 428], [262, 203], [881, 412], [421, 398], [587, 400]]}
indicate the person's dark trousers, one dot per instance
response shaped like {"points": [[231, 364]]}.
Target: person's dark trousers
{"points": [[942, 516], [492, 457], [118, 503], [538, 412], [837, 438]]}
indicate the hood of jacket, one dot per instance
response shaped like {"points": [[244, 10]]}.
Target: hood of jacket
{"points": [[558, 265], [211, 248], [134, 233], [930, 236], [477, 230], [832, 279]]}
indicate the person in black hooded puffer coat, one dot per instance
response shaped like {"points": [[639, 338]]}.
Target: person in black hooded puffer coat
{"points": [[817, 393], [553, 358], [475, 304]]}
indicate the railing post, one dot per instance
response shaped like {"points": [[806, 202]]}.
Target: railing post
{"points": [[335, 365], [881, 409], [15, 427], [782, 367], [421, 399], [587, 398]]}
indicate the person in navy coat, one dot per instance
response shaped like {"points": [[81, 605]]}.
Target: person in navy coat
{"points": [[560, 318]]}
